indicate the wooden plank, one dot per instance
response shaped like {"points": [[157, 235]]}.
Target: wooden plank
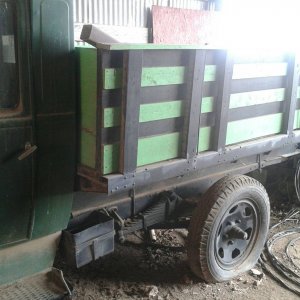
{"points": [[148, 112], [193, 102], [225, 72], [104, 61], [110, 158], [132, 66], [297, 119], [168, 144], [205, 134], [87, 149], [155, 76], [160, 111], [88, 106], [256, 97], [164, 58], [292, 79], [241, 71], [252, 111], [159, 148], [160, 127], [162, 93], [247, 129], [207, 105], [112, 78], [149, 46], [111, 117], [162, 76], [257, 84]]}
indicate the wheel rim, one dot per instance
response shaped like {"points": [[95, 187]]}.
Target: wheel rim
{"points": [[236, 234]]}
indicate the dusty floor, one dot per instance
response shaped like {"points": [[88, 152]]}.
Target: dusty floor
{"points": [[139, 271], [135, 271]]}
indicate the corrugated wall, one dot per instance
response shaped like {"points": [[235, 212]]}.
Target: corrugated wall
{"points": [[124, 12]]}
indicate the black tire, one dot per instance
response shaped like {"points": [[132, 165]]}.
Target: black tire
{"points": [[224, 215]]}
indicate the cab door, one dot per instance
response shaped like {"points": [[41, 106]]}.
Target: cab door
{"points": [[16, 125]]}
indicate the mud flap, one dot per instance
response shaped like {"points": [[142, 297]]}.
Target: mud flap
{"points": [[49, 285]]}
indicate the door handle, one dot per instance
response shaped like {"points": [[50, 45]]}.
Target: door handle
{"points": [[29, 149]]}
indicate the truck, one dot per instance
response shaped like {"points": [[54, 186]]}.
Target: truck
{"points": [[102, 140]]}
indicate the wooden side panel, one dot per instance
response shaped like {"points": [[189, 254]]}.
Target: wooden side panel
{"points": [[87, 58]]}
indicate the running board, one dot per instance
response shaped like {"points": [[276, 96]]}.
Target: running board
{"points": [[44, 286]]}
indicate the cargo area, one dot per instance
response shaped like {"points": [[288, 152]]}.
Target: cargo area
{"points": [[137, 104]]}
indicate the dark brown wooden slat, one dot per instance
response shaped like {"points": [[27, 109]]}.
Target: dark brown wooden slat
{"points": [[132, 71], [193, 101], [292, 79], [224, 78], [257, 84]]}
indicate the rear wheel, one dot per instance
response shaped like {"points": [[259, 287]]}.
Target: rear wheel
{"points": [[228, 228]]}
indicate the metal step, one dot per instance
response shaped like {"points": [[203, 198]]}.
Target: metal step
{"points": [[45, 286]]}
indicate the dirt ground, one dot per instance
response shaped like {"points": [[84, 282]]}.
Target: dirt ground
{"points": [[141, 271], [137, 271]]}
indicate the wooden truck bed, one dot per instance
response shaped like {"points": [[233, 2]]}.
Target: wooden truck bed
{"points": [[154, 112]]}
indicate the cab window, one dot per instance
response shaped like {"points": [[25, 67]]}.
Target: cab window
{"points": [[9, 77]]}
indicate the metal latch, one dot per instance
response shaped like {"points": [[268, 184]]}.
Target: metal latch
{"points": [[29, 149]]}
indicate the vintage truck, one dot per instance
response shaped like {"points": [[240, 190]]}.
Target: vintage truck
{"points": [[101, 141]]}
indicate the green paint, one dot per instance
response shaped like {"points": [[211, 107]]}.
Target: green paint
{"points": [[111, 117], [110, 163], [112, 78], [88, 149], [88, 105], [27, 258], [158, 148], [207, 105], [160, 111], [259, 70], [204, 139], [256, 97], [155, 76], [247, 129], [210, 73], [297, 119]]}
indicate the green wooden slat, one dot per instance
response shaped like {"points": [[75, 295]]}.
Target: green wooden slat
{"points": [[158, 148], [256, 97], [148, 112], [88, 105], [297, 119], [259, 70], [160, 111], [111, 116], [110, 162], [150, 150], [112, 78], [207, 105], [210, 73], [154, 76], [204, 139], [88, 87], [251, 128], [87, 149]]}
